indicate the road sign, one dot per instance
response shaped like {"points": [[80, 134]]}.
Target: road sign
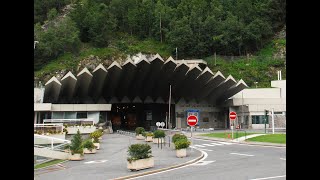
{"points": [[192, 120], [158, 124], [162, 124], [232, 115], [194, 112]]}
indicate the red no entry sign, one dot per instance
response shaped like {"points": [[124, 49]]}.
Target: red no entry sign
{"points": [[232, 115], [192, 120]]}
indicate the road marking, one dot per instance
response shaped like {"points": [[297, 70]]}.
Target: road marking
{"points": [[198, 145], [204, 157], [208, 144], [269, 177], [226, 143], [216, 144], [201, 148], [202, 163], [242, 154], [62, 166], [282, 158], [97, 161]]}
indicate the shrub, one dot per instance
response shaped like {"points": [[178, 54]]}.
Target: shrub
{"points": [[182, 144], [88, 144], [159, 134], [139, 130], [177, 137], [65, 130], [148, 134], [95, 135], [139, 151], [76, 144]]}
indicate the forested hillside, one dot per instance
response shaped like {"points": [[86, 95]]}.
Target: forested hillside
{"points": [[112, 29]]}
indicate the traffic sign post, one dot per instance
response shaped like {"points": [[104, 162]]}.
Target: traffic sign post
{"points": [[157, 124], [162, 124], [232, 117], [192, 120]]}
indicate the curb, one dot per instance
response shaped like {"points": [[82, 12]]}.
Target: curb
{"points": [[50, 165], [162, 169], [243, 142]]}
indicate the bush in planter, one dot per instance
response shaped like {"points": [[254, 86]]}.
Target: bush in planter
{"points": [[177, 137], [159, 134], [88, 144], [76, 144], [182, 144], [139, 130], [139, 151], [95, 135], [148, 134]]}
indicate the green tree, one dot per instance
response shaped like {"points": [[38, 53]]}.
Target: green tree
{"points": [[76, 144], [55, 40], [52, 14], [94, 22]]}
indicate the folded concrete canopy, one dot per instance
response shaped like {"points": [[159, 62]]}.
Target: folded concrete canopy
{"points": [[146, 81]]}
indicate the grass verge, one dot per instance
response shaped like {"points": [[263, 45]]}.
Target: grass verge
{"points": [[56, 161], [271, 138]]}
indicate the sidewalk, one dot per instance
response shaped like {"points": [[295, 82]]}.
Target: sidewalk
{"points": [[113, 161]]}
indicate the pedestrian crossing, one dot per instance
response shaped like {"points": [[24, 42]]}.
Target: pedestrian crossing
{"points": [[216, 143]]}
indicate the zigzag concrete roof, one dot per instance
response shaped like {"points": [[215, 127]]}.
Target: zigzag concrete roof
{"points": [[146, 81]]}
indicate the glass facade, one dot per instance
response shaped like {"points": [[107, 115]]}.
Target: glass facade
{"points": [[258, 119]]}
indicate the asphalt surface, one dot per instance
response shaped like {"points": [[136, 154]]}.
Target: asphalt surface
{"points": [[231, 162], [110, 161]]}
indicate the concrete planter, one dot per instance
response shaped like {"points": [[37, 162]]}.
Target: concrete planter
{"points": [[140, 164], [82, 129], [100, 138], [172, 145], [149, 138], [155, 140], [97, 145], [87, 151], [181, 152], [140, 137], [75, 157]]}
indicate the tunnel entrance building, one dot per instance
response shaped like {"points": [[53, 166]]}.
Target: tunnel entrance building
{"points": [[133, 94]]}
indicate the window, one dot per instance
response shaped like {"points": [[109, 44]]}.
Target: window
{"points": [[82, 115], [258, 119], [278, 113], [205, 119]]}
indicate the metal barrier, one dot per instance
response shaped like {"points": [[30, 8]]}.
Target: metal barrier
{"points": [[245, 134]]}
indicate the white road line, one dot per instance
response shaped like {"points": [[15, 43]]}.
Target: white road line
{"points": [[269, 177], [97, 161], [201, 148], [198, 145], [216, 144], [226, 143], [242, 154], [282, 158], [204, 157], [208, 144], [203, 163]]}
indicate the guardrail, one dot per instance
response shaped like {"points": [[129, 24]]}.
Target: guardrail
{"points": [[52, 140], [69, 120], [127, 133]]}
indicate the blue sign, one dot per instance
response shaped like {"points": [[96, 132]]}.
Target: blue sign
{"points": [[194, 112]]}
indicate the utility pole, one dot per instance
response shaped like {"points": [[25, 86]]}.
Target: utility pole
{"points": [[215, 59], [272, 113], [176, 53], [169, 106], [242, 110], [265, 121], [160, 28]]}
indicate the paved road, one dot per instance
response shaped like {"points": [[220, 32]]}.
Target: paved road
{"points": [[110, 161], [231, 162]]}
